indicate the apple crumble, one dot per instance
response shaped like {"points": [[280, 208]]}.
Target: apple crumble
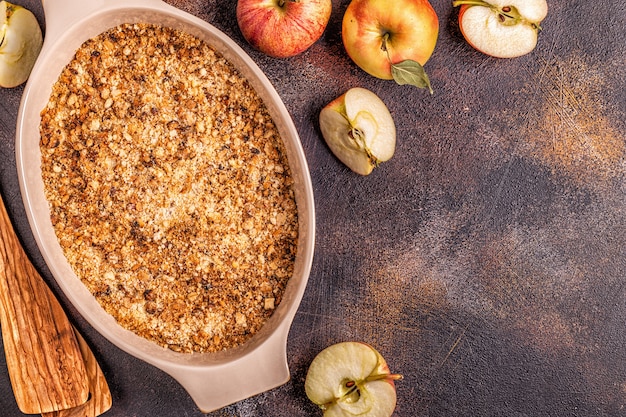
{"points": [[169, 188]]}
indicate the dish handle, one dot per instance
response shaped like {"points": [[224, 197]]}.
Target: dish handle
{"points": [[215, 387], [61, 14]]}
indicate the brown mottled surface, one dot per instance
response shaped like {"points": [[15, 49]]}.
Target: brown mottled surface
{"points": [[486, 260]]}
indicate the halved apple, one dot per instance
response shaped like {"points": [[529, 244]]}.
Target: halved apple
{"points": [[501, 28], [351, 379], [20, 43], [359, 130]]}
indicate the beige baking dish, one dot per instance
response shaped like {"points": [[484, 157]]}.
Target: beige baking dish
{"points": [[213, 380]]}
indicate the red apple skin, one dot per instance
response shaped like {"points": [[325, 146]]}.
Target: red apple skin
{"points": [[412, 27], [462, 10], [283, 28]]}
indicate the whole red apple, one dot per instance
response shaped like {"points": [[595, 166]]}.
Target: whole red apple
{"points": [[283, 28], [390, 39]]}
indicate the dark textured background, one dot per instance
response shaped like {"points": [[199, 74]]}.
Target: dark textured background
{"points": [[485, 260]]}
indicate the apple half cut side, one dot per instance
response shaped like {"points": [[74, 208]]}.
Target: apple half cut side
{"points": [[359, 130], [20, 43], [501, 28], [351, 379]]}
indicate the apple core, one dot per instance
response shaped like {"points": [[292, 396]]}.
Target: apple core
{"points": [[359, 130], [351, 378]]}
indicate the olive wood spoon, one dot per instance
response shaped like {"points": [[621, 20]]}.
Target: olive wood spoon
{"points": [[43, 357], [100, 399]]}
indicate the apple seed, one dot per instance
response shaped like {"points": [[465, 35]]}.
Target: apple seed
{"points": [[507, 15]]}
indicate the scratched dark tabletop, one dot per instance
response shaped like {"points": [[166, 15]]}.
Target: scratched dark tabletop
{"points": [[485, 260]]}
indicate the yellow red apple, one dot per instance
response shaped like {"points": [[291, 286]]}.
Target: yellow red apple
{"points": [[351, 379], [501, 28], [359, 130], [391, 40], [282, 28], [20, 44]]}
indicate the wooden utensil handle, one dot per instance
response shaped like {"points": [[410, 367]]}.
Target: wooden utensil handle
{"points": [[43, 357], [100, 399]]}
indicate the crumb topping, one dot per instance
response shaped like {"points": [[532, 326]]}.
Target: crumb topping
{"points": [[169, 188]]}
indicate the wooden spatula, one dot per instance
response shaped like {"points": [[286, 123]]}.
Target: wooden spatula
{"points": [[100, 397], [43, 357]]}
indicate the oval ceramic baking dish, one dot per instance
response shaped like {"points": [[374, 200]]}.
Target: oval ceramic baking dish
{"points": [[213, 380]]}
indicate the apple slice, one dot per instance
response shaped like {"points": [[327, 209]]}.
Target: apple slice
{"points": [[359, 130], [20, 43], [349, 379], [501, 28]]}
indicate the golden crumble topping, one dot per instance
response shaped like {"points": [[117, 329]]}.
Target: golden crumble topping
{"points": [[169, 188]]}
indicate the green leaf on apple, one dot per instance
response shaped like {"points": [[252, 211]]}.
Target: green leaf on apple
{"points": [[411, 72], [407, 71]]}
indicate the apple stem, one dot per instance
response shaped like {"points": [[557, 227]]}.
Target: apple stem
{"points": [[281, 3], [383, 46], [457, 3], [353, 392], [508, 15], [393, 377], [407, 71]]}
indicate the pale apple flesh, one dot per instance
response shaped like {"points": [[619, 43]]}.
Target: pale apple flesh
{"points": [[20, 43], [351, 379], [359, 130], [502, 28], [283, 28], [377, 34]]}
